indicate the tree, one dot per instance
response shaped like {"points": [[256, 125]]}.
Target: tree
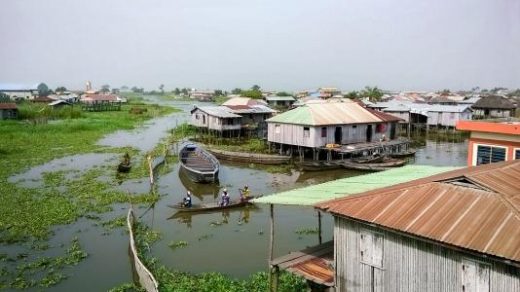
{"points": [[161, 88], [254, 94], [61, 89], [115, 90], [124, 87], [236, 91], [4, 98], [283, 93], [373, 93], [105, 88], [43, 89], [445, 92], [185, 91], [177, 91], [218, 92], [255, 87], [352, 95]]}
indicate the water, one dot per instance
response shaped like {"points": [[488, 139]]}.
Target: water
{"points": [[234, 242]]}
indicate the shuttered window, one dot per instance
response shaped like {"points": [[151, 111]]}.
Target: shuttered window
{"points": [[323, 132], [489, 154], [475, 276], [306, 132], [371, 248], [517, 153]]}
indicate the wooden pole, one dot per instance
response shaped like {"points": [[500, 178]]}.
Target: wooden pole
{"points": [[319, 227], [271, 245]]}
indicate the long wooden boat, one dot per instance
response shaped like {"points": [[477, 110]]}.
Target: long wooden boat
{"points": [[200, 166], [369, 159], [209, 207], [407, 153], [250, 157], [385, 165], [319, 165]]}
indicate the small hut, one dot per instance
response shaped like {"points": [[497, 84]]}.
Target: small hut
{"points": [[493, 106]]}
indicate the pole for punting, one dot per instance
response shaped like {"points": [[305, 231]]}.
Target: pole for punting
{"points": [[273, 272]]}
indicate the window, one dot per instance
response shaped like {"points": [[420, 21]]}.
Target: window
{"points": [[488, 154], [197, 116], [324, 132], [204, 119], [371, 248], [277, 129], [517, 153], [475, 276], [354, 129], [306, 132]]}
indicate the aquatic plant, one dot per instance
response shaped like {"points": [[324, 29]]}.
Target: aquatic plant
{"points": [[306, 231], [178, 244]]}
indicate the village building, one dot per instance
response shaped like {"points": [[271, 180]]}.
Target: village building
{"points": [[18, 93], [493, 106], [428, 115], [202, 95], [238, 116], [340, 122], [8, 111], [456, 231], [280, 101], [492, 141], [100, 102]]}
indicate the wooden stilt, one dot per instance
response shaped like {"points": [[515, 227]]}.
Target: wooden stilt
{"points": [[319, 227], [271, 246]]}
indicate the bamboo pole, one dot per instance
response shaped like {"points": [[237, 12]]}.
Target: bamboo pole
{"points": [[272, 275]]}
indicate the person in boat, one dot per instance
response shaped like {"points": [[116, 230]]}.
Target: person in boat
{"points": [[244, 193], [187, 200], [224, 201]]}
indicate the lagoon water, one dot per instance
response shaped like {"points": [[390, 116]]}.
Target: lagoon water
{"points": [[234, 242]]}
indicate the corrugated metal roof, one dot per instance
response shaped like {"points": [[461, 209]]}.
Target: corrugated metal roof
{"points": [[352, 185], [279, 98], [218, 111], [8, 106], [250, 109], [327, 113], [481, 214], [243, 101]]}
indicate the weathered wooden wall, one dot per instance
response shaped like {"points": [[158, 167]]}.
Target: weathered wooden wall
{"points": [[294, 134], [408, 264]]}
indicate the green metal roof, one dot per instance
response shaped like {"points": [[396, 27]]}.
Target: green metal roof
{"points": [[308, 196], [300, 115]]}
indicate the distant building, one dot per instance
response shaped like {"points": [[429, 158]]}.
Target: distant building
{"points": [[493, 106], [455, 231], [202, 95], [280, 101], [491, 141], [237, 116], [8, 111], [338, 122], [18, 92]]}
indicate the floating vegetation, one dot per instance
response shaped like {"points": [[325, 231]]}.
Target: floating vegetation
{"points": [[306, 231], [178, 244], [26, 274], [114, 223]]}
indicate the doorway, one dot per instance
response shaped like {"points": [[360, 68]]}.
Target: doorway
{"points": [[369, 133], [338, 135]]}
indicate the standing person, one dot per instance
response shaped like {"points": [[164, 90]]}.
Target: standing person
{"points": [[187, 200], [224, 201]]}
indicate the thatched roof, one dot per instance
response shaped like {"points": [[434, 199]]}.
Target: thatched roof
{"points": [[494, 102]]}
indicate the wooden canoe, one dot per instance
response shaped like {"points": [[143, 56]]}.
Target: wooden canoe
{"points": [[200, 166], [124, 167], [209, 207], [268, 159], [407, 153], [387, 163]]}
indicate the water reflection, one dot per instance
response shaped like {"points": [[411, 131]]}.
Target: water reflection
{"points": [[197, 189]]}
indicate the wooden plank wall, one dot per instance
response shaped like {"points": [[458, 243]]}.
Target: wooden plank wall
{"points": [[408, 264]]}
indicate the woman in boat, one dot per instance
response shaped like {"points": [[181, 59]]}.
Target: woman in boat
{"points": [[187, 200], [225, 198]]}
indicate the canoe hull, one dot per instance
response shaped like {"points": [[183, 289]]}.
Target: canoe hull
{"points": [[211, 207], [199, 165]]}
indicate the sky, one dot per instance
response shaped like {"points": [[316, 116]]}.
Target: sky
{"points": [[279, 45]]}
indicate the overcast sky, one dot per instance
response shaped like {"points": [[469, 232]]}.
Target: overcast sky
{"points": [[277, 44]]}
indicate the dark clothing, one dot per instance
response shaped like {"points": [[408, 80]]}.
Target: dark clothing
{"points": [[187, 202]]}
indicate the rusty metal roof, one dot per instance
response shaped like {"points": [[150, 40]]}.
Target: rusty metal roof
{"points": [[314, 263], [8, 106], [476, 208]]}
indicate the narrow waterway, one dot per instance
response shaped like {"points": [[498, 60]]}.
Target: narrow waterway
{"points": [[234, 242]]}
